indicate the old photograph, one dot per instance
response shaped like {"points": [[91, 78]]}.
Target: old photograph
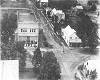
{"points": [[49, 39]]}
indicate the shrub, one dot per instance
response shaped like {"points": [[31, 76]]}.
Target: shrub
{"points": [[37, 58], [50, 69]]}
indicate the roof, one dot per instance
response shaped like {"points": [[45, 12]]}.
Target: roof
{"points": [[79, 7], [74, 38], [44, 0]]}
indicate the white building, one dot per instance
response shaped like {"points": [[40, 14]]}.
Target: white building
{"points": [[66, 33], [74, 40], [27, 31], [70, 37]]}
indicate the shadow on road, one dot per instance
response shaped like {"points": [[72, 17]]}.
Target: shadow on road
{"points": [[89, 51]]}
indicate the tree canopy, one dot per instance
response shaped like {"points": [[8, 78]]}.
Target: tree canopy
{"points": [[50, 68], [8, 26], [82, 23], [62, 4]]}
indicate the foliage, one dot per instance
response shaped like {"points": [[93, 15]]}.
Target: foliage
{"points": [[87, 74], [8, 51], [8, 26], [37, 58], [1, 2], [93, 75], [22, 55], [85, 28], [13, 51], [49, 69], [62, 4], [91, 5], [42, 40]]}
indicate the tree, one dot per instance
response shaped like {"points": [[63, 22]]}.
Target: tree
{"points": [[93, 74], [85, 73], [8, 51], [85, 28], [62, 4], [36, 61], [13, 51], [8, 26], [1, 2], [37, 58], [50, 68], [22, 55], [89, 5]]}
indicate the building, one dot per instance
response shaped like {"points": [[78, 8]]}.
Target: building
{"points": [[70, 37], [27, 31], [66, 33], [43, 3], [74, 40]]}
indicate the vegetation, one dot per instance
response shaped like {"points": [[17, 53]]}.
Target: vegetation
{"points": [[78, 19], [89, 5], [62, 4], [82, 23], [85, 73], [1, 2], [8, 26], [11, 50], [14, 51], [46, 67], [42, 40], [37, 58], [50, 69]]}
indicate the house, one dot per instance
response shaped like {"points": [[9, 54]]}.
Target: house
{"points": [[70, 37], [27, 31], [66, 33], [43, 3], [74, 40]]}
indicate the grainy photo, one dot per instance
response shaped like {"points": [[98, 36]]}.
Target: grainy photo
{"points": [[49, 39]]}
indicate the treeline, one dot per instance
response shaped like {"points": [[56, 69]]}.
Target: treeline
{"points": [[82, 23], [46, 66], [79, 20], [62, 4], [8, 26], [86, 29], [11, 50]]}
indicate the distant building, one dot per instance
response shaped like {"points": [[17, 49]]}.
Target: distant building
{"points": [[79, 7], [27, 31], [74, 40], [43, 3], [70, 37], [66, 32]]}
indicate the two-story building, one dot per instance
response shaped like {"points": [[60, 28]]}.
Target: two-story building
{"points": [[28, 30]]}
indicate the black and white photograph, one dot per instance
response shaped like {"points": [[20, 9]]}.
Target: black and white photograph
{"points": [[49, 39]]}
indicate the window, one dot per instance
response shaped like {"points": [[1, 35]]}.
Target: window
{"points": [[76, 38], [70, 37], [32, 30], [23, 30]]}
